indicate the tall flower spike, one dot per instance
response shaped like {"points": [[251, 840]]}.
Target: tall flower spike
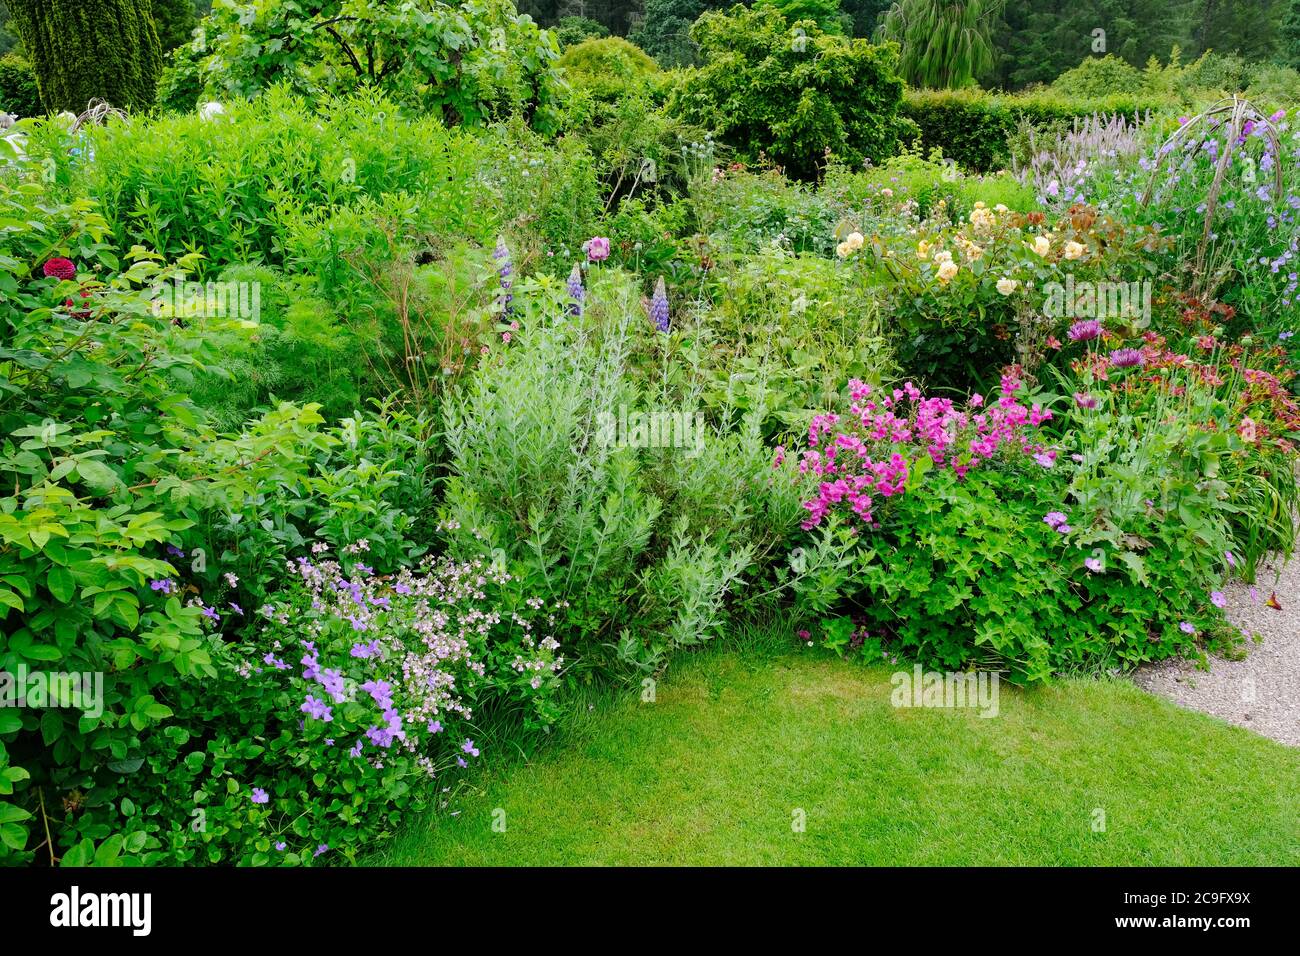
{"points": [[659, 307], [576, 293], [504, 270]]}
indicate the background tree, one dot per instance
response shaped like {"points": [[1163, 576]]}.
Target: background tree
{"points": [[944, 44], [570, 31], [470, 63], [1289, 45], [174, 20], [80, 51], [1246, 27], [825, 13], [665, 30]]}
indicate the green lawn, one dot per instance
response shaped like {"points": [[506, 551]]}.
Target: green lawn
{"points": [[714, 770]]}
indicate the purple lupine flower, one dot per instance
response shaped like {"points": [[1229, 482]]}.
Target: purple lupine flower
{"points": [[659, 307], [1085, 330], [260, 795], [576, 292], [505, 269], [1126, 358]]}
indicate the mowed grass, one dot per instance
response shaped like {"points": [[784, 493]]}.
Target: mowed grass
{"points": [[740, 745]]}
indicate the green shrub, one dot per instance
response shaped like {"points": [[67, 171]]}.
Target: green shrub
{"points": [[609, 67], [18, 92], [791, 102], [79, 52], [1099, 77]]}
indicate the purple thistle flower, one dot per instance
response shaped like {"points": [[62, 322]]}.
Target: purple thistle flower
{"points": [[1126, 358], [1085, 330], [659, 307], [576, 292]]}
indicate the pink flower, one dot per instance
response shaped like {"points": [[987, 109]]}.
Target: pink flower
{"points": [[596, 248], [1093, 564], [1084, 400]]}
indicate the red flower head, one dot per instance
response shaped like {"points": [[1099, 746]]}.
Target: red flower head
{"points": [[60, 269]]}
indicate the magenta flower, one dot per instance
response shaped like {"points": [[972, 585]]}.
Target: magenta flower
{"points": [[596, 248], [1085, 400]]}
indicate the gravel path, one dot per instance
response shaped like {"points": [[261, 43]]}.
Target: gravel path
{"points": [[1262, 692]]}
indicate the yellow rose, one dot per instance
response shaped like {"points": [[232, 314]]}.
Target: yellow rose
{"points": [[1042, 245], [923, 250], [1073, 250], [947, 270]]}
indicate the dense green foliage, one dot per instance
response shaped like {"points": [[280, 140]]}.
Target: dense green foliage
{"points": [[81, 52]]}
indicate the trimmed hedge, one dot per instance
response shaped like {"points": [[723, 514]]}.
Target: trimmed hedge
{"points": [[973, 127]]}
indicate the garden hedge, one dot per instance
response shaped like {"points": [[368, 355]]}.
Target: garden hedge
{"points": [[973, 128]]}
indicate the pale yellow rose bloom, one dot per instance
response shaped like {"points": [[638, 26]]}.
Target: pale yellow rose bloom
{"points": [[1007, 286]]}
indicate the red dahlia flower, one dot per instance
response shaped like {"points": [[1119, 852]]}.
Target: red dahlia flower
{"points": [[62, 269]]}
